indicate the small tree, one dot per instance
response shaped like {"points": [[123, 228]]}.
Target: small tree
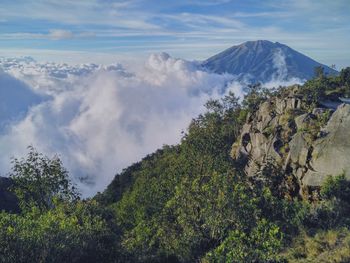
{"points": [[40, 181], [256, 94], [345, 76], [319, 72], [336, 187]]}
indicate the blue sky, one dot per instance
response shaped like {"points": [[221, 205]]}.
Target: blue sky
{"points": [[107, 30]]}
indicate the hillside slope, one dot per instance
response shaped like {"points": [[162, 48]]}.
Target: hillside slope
{"points": [[194, 202]]}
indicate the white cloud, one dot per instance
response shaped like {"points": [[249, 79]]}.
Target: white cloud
{"points": [[53, 34], [16, 98], [100, 119], [57, 34]]}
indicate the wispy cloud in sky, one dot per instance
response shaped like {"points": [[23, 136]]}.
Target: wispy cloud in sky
{"points": [[52, 34], [186, 28]]}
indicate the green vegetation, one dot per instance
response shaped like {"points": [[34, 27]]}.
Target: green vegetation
{"points": [[53, 225], [68, 233], [325, 237], [38, 181], [324, 87], [325, 246], [185, 203]]}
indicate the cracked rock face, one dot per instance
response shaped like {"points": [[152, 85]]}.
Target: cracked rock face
{"points": [[307, 145], [331, 153], [299, 149], [263, 136]]}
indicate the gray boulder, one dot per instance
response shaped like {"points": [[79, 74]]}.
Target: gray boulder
{"points": [[331, 154]]}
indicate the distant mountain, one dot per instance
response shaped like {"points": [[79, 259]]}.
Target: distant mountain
{"points": [[262, 61]]}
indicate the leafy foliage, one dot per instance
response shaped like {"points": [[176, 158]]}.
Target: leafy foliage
{"points": [[255, 96], [265, 239], [53, 225], [324, 87], [38, 181], [66, 233], [336, 187], [324, 246]]}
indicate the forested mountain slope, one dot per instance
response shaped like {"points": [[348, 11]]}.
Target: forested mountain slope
{"points": [[193, 201]]}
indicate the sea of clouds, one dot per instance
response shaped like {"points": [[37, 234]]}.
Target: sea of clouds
{"points": [[100, 119]]}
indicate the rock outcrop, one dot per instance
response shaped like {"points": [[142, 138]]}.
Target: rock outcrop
{"points": [[307, 144], [331, 152]]}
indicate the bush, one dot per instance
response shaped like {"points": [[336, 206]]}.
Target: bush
{"points": [[67, 233], [38, 181], [261, 244], [336, 187], [325, 246]]}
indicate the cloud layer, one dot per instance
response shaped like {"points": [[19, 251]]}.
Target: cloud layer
{"points": [[100, 119]]}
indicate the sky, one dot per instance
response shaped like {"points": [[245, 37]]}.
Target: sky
{"points": [[105, 31]]}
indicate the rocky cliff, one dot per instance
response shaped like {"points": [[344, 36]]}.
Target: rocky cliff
{"points": [[307, 144]]}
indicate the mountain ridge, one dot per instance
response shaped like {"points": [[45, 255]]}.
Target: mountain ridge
{"points": [[263, 61]]}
